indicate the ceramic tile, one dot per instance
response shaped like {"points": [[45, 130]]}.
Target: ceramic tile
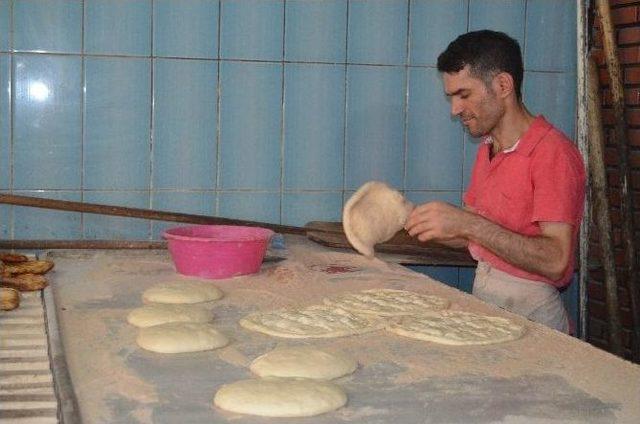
{"points": [[316, 30], [185, 114], [6, 221], [444, 274], [47, 137], [252, 206], [471, 146], [250, 125], [368, 42], [41, 224], [116, 138], [375, 125], [419, 196], [434, 138], [47, 26], [5, 121], [498, 15], [465, 279], [434, 24], [191, 202], [116, 227], [188, 28], [300, 208], [314, 126], [252, 29], [118, 27], [554, 96], [550, 35], [5, 25]]}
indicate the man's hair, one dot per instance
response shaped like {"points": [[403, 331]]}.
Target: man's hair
{"points": [[487, 53]]}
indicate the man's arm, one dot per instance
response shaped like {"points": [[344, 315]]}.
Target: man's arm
{"points": [[547, 254]]}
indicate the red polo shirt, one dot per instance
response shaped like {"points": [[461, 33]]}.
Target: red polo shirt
{"points": [[542, 179]]}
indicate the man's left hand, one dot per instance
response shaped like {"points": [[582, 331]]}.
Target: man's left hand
{"points": [[436, 221]]}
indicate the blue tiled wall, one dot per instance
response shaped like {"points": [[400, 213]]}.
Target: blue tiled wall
{"points": [[269, 110]]}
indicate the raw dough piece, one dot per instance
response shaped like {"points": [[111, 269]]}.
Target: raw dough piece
{"points": [[303, 361], [182, 292], [373, 215], [387, 302], [158, 313], [178, 337], [457, 328], [280, 397], [313, 321]]}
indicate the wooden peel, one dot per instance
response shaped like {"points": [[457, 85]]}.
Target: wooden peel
{"points": [[326, 233]]}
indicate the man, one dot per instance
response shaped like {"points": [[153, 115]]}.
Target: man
{"points": [[524, 203]]}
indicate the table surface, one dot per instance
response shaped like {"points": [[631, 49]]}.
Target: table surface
{"points": [[545, 376]]}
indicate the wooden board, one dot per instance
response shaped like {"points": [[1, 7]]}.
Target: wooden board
{"points": [[414, 252]]}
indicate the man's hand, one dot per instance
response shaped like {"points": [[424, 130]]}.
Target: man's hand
{"points": [[546, 254], [438, 221]]}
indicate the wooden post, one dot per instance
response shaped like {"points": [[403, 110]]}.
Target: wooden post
{"points": [[620, 129], [601, 204]]}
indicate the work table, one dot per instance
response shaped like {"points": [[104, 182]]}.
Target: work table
{"points": [[541, 377]]}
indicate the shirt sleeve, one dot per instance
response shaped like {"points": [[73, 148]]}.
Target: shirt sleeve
{"points": [[558, 177]]}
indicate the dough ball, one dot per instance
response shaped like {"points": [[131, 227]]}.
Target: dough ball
{"points": [[158, 313], [179, 337], [280, 397], [182, 292], [303, 361], [374, 214]]}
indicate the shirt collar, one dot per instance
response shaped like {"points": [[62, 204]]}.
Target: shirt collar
{"points": [[529, 140]]}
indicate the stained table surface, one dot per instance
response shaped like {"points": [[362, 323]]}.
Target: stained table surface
{"points": [[543, 377]]}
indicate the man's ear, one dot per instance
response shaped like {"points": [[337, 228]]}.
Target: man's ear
{"points": [[503, 84]]}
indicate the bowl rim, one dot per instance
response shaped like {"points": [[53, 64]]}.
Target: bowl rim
{"points": [[268, 233]]}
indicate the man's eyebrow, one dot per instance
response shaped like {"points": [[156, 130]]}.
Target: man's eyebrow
{"points": [[459, 91]]}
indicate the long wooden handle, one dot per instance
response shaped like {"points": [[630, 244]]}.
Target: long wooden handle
{"points": [[65, 205], [601, 203]]}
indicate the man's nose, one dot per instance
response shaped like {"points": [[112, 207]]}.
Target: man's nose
{"points": [[456, 108]]}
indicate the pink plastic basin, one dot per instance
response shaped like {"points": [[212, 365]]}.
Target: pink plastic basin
{"points": [[217, 251]]}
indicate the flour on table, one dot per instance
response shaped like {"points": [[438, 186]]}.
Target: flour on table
{"points": [[280, 397], [312, 321], [182, 292], [457, 328], [159, 313], [387, 302], [179, 337], [303, 361], [374, 214]]}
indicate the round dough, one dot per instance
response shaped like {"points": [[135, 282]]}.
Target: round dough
{"points": [[280, 397], [156, 314], [387, 302], [179, 337], [182, 292], [458, 328], [373, 215], [312, 321], [303, 361]]}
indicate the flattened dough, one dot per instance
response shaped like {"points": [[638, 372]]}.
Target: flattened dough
{"points": [[373, 215], [159, 313], [303, 361], [313, 321], [280, 397], [180, 337], [458, 328], [182, 292], [387, 302]]}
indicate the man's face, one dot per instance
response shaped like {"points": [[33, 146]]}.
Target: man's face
{"points": [[473, 101]]}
